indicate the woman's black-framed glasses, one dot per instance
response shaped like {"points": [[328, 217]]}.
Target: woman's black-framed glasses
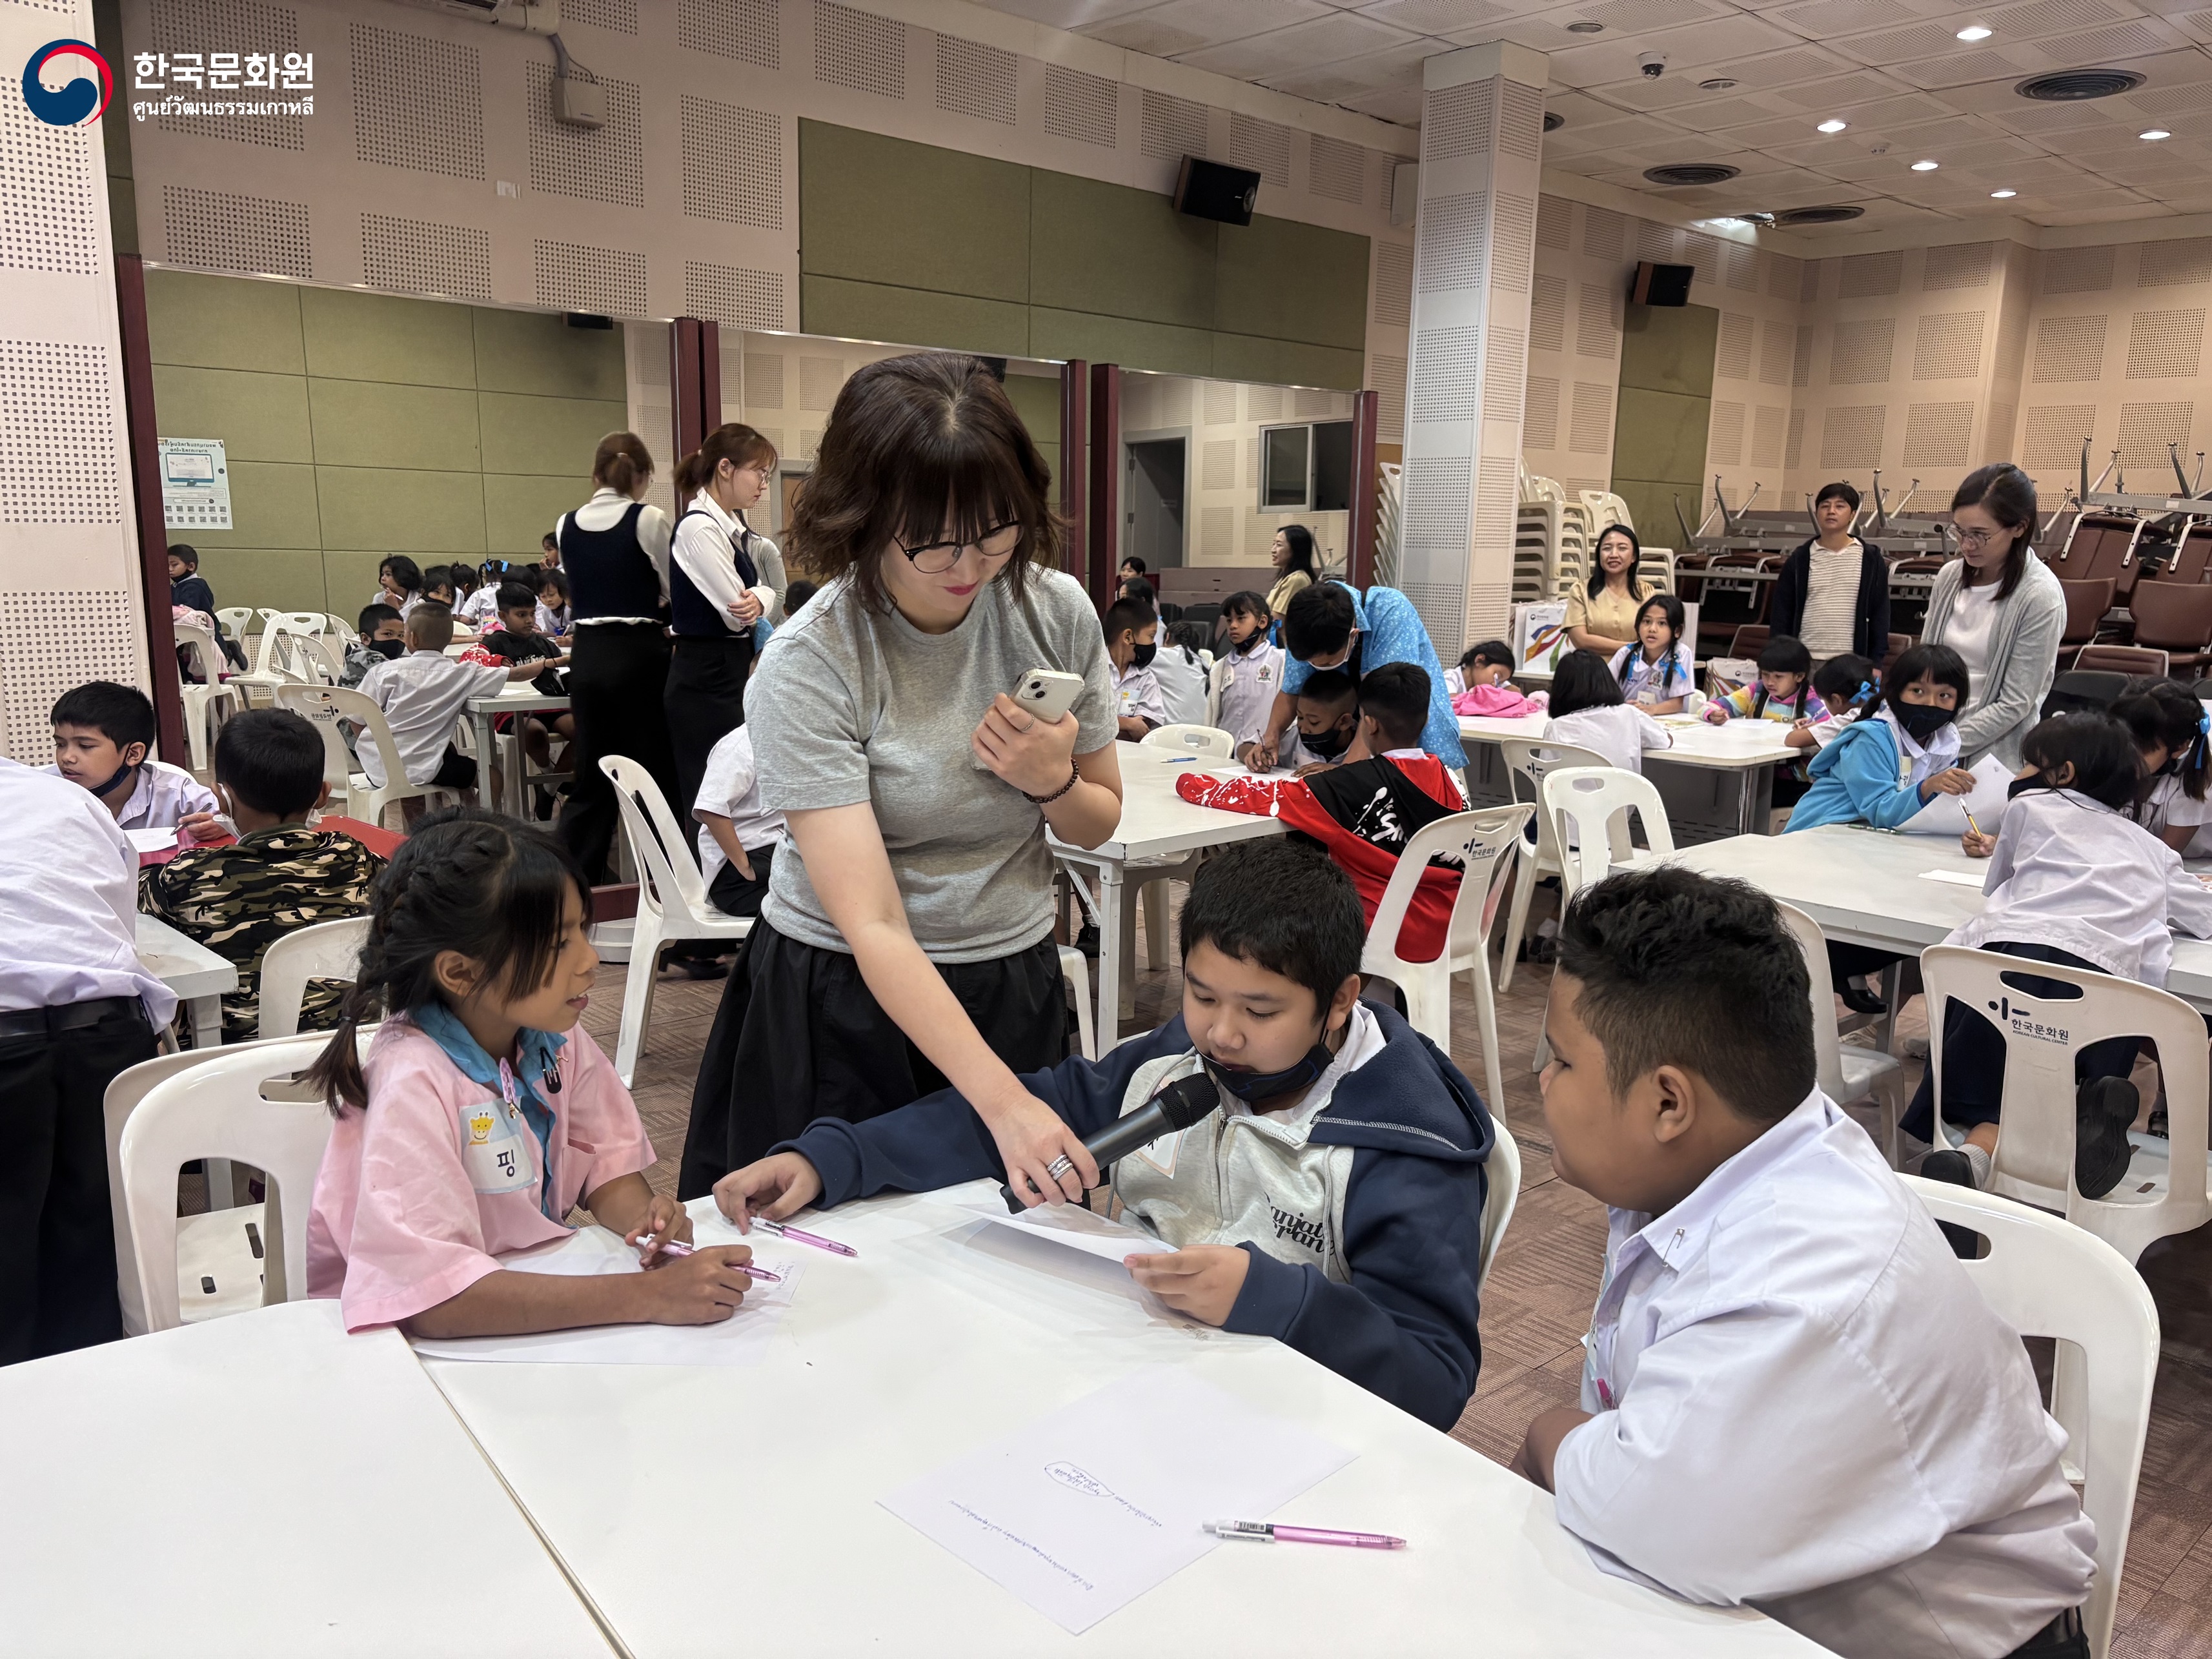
{"points": [[935, 558]]}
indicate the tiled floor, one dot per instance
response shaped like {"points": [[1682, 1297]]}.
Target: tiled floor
{"points": [[1537, 1302]]}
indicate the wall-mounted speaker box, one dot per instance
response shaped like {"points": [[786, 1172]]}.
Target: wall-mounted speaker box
{"points": [[1208, 190], [1659, 285]]}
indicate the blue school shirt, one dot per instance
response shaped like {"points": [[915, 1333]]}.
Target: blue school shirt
{"points": [[1390, 630], [1855, 781]]}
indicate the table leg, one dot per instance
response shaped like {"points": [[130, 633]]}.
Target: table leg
{"points": [[221, 1185], [1109, 956], [515, 767], [481, 721], [205, 1015]]}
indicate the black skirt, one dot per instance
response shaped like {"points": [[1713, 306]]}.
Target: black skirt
{"points": [[704, 698], [799, 1035]]}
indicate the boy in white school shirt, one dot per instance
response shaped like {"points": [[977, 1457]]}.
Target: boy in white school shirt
{"points": [[103, 743], [424, 695], [1793, 1398], [1133, 629], [737, 838]]}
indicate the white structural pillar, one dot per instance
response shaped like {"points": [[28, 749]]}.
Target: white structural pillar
{"points": [[1475, 247]]}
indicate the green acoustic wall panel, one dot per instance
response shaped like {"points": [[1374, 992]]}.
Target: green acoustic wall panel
{"points": [[378, 336], [1660, 434], [1292, 282], [907, 316], [224, 322], [1122, 340], [880, 209], [1652, 508], [439, 514], [278, 579], [1119, 252], [518, 511], [370, 423], [259, 418], [554, 436], [272, 504], [1665, 410], [537, 353], [1247, 357], [1670, 348], [350, 580], [1036, 400]]}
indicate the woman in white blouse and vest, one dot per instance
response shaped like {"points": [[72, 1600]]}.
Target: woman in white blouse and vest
{"points": [[723, 579]]}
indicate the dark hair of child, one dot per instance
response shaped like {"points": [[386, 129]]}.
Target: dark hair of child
{"points": [[2158, 711], [1245, 603], [1784, 655], [2101, 751], [797, 595], [464, 579], [486, 885], [429, 626], [437, 576], [1133, 562], [1141, 591], [1397, 696], [121, 714], [1280, 905], [404, 571], [554, 583], [186, 555], [1317, 621], [1331, 688], [1670, 611], [1680, 968], [1126, 616], [1491, 654], [272, 759], [374, 616], [1850, 677], [1583, 681], [513, 596], [1939, 663], [1191, 636]]}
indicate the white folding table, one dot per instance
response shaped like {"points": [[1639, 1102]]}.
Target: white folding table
{"points": [[520, 697], [735, 1510], [263, 1484], [200, 978], [1744, 748]]}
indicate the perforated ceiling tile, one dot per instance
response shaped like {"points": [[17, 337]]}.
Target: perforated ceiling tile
{"points": [[223, 232], [1505, 369], [1947, 345], [1171, 127], [733, 164], [1860, 354], [1548, 314], [1742, 268], [1870, 276], [1521, 121], [1603, 233], [1800, 358], [1555, 223], [49, 209], [1394, 284], [2165, 344], [619, 16], [1724, 440], [1456, 121], [1449, 254], [1514, 228], [202, 26], [819, 380], [607, 280], [1591, 429], [739, 298], [749, 31], [763, 379], [1732, 355], [1263, 403], [2077, 270], [2174, 264], [1662, 243], [1388, 374], [1597, 321], [417, 103], [414, 256], [54, 642], [858, 50], [1262, 146], [2068, 348], [1218, 534], [1217, 464], [2146, 430], [607, 164], [2052, 17], [1938, 435], [1218, 403], [1821, 18], [1766, 428], [1437, 495], [1793, 450], [973, 79], [1851, 436], [57, 457], [1315, 405], [1539, 414], [1963, 265], [1084, 108]]}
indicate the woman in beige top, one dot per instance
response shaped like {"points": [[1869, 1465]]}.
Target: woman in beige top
{"points": [[1293, 556], [1601, 616]]}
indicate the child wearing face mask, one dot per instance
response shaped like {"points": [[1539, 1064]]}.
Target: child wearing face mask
{"points": [[1132, 630], [1325, 732], [1333, 1201], [2171, 730], [104, 741], [383, 637], [1246, 676], [1883, 769]]}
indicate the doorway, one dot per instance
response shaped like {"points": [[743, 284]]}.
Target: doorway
{"points": [[1153, 493]]}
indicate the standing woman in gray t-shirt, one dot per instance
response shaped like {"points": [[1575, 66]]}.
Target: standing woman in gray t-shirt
{"points": [[906, 941]]}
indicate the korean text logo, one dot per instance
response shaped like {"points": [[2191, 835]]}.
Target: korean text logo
{"points": [[80, 98], [208, 82]]}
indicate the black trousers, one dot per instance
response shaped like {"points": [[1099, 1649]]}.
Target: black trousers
{"points": [[56, 1234], [799, 1035], [732, 895], [705, 699], [617, 672]]}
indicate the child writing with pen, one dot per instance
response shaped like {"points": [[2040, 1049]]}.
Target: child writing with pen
{"points": [[483, 1113]]}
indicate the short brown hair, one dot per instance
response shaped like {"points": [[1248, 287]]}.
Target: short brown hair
{"points": [[620, 461], [430, 627], [912, 443]]}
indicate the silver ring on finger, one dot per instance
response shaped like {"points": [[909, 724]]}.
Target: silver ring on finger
{"points": [[1031, 728], [1059, 1166]]}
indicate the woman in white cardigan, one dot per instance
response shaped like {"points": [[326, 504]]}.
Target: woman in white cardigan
{"points": [[2000, 608]]}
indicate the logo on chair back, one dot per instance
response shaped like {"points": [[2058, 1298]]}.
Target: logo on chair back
{"points": [[81, 97], [2021, 1023]]}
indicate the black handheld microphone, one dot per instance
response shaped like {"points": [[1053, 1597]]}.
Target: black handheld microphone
{"points": [[1178, 1106]]}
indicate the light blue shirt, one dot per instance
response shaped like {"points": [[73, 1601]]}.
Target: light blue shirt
{"points": [[1389, 631]]}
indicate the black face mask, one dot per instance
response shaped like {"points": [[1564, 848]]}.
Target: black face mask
{"points": [[1253, 641], [1921, 720], [1327, 744], [1249, 1086], [388, 649], [2019, 787], [1141, 656], [103, 790]]}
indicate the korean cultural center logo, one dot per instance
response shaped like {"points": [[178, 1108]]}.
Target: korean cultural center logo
{"points": [[80, 98]]}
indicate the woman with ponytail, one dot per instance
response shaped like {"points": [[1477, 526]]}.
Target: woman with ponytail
{"points": [[614, 549], [724, 580], [482, 1115]]}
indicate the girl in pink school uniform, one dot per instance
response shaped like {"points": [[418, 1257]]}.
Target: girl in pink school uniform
{"points": [[483, 1114]]}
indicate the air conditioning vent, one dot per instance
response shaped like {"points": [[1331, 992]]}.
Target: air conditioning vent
{"points": [[1691, 172], [2070, 85], [1831, 214]]}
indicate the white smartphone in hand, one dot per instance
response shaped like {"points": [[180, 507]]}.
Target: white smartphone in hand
{"points": [[1047, 693]]}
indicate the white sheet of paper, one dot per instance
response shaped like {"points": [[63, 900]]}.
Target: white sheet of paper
{"points": [[1081, 1229], [151, 840], [740, 1340], [1956, 878], [1081, 1512], [1946, 815]]}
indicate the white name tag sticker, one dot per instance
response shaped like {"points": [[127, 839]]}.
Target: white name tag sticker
{"points": [[493, 1151]]}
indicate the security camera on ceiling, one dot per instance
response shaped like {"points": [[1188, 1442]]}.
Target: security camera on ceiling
{"points": [[1653, 64]]}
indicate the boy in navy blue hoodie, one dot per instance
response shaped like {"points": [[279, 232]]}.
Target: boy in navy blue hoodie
{"points": [[1334, 1202]]}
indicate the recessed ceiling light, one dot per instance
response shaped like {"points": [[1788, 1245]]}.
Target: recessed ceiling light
{"points": [[1973, 32], [1585, 29], [1718, 84], [1923, 166], [2153, 134], [2003, 195], [1830, 126]]}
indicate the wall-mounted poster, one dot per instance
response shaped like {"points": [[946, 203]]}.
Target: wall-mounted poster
{"points": [[195, 484]]}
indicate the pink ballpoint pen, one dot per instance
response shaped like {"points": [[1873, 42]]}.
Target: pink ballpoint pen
{"points": [[1267, 1532], [782, 1230], [673, 1247]]}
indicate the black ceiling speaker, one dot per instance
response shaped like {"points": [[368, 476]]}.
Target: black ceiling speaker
{"points": [[1553, 120], [1692, 172], [1661, 285], [2070, 85], [1208, 190], [1835, 214]]}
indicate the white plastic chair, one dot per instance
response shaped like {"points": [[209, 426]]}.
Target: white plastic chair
{"points": [[1210, 741], [336, 627], [327, 950], [1530, 761], [233, 618], [1589, 806], [2164, 1191], [309, 623], [313, 662], [2043, 1278], [1076, 973], [203, 702], [326, 705], [1847, 1073], [1487, 842], [220, 1108], [672, 899], [1503, 1170]]}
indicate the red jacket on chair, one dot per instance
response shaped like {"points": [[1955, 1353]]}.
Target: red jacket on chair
{"points": [[1361, 815]]}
